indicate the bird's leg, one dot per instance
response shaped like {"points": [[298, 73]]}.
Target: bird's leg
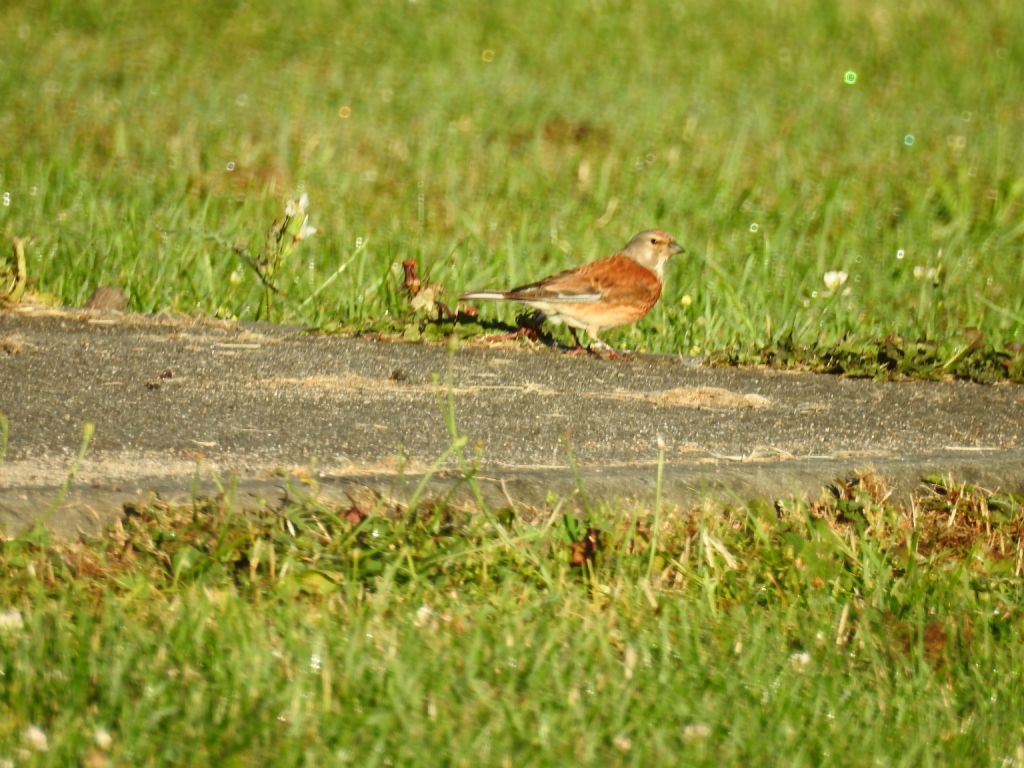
{"points": [[579, 349]]}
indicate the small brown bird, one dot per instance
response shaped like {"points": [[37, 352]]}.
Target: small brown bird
{"points": [[613, 291]]}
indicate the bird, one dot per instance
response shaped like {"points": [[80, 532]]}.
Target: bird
{"points": [[610, 292]]}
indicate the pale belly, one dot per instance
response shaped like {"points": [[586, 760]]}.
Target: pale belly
{"points": [[587, 316]]}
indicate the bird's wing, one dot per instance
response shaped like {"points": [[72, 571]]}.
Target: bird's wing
{"points": [[615, 278], [561, 288]]}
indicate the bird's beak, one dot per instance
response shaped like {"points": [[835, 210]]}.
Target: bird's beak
{"points": [[675, 248]]}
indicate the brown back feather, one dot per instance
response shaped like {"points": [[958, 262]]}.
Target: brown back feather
{"points": [[613, 279]]}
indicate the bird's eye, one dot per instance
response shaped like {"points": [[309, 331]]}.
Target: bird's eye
{"points": [[654, 241]]}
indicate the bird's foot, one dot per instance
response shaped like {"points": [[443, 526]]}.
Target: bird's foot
{"points": [[600, 349], [596, 347], [607, 353]]}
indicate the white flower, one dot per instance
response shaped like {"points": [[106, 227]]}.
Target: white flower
{"points": [[35, 738], [925, 273], [297, 219], [423, 615], [834, 279], [695, 731], [297, 207], [10, 620], [103, 739], [800, 659]]}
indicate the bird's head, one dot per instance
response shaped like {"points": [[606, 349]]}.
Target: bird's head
{"points": [[651, 249]]}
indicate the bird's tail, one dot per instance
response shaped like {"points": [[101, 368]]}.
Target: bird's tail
{"points": [[484, 295]]}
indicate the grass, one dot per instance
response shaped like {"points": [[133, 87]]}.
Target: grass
{"points": [[778, 142], [851, 631]]}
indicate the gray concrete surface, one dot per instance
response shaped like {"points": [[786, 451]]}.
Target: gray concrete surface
{"points": [[180, 405]]}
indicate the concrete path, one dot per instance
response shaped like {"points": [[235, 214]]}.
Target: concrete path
{"points": [[180, 405]]}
